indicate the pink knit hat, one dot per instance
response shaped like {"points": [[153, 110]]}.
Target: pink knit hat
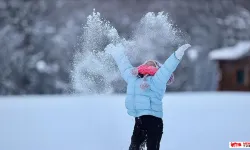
{"points": [[158, 65], [147, 70]]}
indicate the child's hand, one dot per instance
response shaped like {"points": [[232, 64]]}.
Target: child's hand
{"points": [[111, 48], [112, 35], [181, 50]]}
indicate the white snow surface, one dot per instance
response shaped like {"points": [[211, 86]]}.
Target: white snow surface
{"points": [[231, 53], [192, 121]]}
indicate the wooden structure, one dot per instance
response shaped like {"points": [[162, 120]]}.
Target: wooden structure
{"points": [[233, 66]]}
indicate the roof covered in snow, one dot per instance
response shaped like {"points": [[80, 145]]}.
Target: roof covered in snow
{"points": [[231, 53]]}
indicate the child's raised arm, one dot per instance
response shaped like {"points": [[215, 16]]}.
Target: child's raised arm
{"points": [[162, 76], [118, 53]]}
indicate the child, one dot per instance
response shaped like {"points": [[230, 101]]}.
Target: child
{"points": [[146, 87]]}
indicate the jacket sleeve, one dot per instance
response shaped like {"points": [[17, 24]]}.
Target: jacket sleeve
{"points": [[162, 76], [123, 63]]}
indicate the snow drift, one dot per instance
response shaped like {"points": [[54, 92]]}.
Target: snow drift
{"points": [[204, 121]]}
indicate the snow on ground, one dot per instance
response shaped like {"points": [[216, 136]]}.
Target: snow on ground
{"points": [[192, 121]]}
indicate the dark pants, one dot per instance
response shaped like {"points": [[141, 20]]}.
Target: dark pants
{"points": [[147, 130]]}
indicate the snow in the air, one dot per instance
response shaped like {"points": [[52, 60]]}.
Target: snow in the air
{"points": [[192, 121], [94, 71], [231, 53]]}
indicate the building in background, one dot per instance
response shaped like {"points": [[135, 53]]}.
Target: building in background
{"points": [[234, 67]]}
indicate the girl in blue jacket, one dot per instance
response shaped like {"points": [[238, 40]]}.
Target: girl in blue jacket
{"points": [[145, 93]]}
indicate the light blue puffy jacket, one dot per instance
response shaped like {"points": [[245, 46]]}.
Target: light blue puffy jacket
{"points": [[144, 101]]}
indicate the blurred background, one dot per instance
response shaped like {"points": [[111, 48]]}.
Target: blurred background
{"points": [[39, 42], [38, 39]]}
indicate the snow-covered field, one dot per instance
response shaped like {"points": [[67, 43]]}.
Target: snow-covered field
{"points": [[192, 121]]}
